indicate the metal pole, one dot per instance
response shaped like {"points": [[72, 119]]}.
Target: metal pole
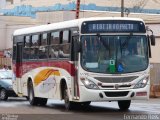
{"points": [[122, 8], [77, 9]]}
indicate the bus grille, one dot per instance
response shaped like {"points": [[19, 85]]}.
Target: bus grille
{"points": [[116, 79], [112, 86], [116, 94]]}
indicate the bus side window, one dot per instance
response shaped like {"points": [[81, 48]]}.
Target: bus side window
{"points": [[27, 42], [14, 52], [43, 48], [53, 51], [35, 40], [34, 47], [26, 50], [26, 53], [44, 39], [55, 38], [66, 36], [54, 45], [64, 51], [14, 48], [33, 53]]}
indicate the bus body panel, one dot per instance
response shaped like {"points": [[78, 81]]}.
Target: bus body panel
{"points": [[94, 95], [46, 80]]}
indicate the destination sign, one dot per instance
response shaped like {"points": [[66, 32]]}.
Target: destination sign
{"points": [[113, 26]]}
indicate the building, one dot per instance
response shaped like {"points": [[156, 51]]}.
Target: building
{"points": [[16, 14]]}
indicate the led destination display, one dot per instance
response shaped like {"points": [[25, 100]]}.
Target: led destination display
{"points": [[113, 26]]}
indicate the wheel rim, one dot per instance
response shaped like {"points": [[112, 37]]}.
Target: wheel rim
{"points": [[2, 94]]}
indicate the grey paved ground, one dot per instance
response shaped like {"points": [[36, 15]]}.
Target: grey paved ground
{"points": [[96, 111]]}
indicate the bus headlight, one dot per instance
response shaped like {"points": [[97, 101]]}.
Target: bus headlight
{"points": [[142, 83], [89, 84]]}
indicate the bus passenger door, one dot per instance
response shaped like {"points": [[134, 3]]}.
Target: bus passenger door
{"points": [[74, 58], [19, 66]]}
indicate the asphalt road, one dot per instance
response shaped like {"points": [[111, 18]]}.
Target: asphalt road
{"points": [[20, 109]]}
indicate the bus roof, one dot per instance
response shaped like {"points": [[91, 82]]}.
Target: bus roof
{"points": [[66, 24]]}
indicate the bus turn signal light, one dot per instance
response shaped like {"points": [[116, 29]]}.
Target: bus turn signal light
{"points": [[141, 94]]}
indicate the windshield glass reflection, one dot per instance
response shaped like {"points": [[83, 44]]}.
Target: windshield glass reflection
{"points": [[114, 54]]}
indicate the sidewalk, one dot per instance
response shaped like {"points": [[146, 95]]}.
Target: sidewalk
{"points": [[150, 101]]}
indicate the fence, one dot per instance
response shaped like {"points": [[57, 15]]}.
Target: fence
{"points": [[5, 61]]}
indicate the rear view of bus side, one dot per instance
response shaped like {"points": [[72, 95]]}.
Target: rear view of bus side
{"points": [[82, 61]]}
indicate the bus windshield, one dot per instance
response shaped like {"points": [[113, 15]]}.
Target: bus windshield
{"points": [[114, 54]]}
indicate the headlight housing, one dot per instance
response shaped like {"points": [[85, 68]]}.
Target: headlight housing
{"points": [[89, 84], [142, 83]]}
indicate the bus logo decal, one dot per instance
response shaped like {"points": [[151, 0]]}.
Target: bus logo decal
{"points": [[116, 86], [44, 74]]}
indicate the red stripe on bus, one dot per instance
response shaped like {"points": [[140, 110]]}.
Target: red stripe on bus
{"points": [[20, 69]]}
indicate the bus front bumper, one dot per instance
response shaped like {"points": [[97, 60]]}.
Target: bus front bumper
{"points": [[113, 95]]}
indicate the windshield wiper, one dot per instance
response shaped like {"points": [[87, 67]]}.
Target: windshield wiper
{"points": [[126, 41], [102, 41]]}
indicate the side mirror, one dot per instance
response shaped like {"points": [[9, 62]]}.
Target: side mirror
{"points": [[152, 38]]}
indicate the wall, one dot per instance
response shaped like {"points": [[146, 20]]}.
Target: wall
{"points": [[155, 27], [2, 35], [2, 3], [57, 16], [30, 7], [9, 32], [17, 1], [10, 23]]}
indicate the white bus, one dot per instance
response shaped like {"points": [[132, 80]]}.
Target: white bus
{"points": [[83, 60]]}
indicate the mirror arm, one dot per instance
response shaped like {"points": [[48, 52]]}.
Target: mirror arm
{"points": [[148, 29]]}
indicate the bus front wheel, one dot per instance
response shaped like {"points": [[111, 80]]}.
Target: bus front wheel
{"points": [[35, 100], [31, 97], [124, 104], [68, 104], [86, 104], [42, 101]]}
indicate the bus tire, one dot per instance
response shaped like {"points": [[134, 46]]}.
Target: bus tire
{"points": [[86, 104], [69, 105], [32, 99], [27, 98], [124, 104], [42, 101]]}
